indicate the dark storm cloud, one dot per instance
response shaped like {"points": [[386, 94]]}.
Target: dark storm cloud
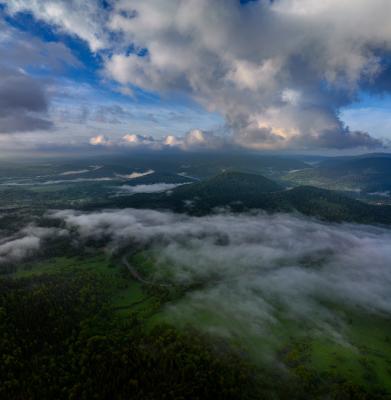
{"points": [[343, 138], [24, 99], [23, 102]]}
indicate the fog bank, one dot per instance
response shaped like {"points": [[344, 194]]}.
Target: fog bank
{"points": [[252, 267]]}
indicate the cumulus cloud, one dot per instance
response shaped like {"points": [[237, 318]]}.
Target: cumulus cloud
{"points": [[139, 140], [100, 140], [262, 65], [278, 71], [195, 139]]}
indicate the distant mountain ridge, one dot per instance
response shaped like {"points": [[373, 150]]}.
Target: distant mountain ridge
{"points": [[366, 173], [229, 184], [243, 192]]}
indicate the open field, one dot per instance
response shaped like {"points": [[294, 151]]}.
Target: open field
{"points": [[359, 351]]}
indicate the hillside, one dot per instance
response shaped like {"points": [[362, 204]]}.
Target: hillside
{"points": [[228, 186], [368, 173], [242, 192], [330, 205]]}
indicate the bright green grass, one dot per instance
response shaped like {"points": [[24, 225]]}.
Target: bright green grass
{"points": [[362, 354], [150, 269], [360, 350], [365, 358], [144, 262], [39, 188], [127, 295], [133, 299], [98, 263]]}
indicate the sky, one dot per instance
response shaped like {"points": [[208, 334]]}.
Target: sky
{"points": [[280, 75]]}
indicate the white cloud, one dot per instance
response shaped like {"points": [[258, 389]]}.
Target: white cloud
{"points": [[25, 243], [195, 139], [99, 140], [235, 59], [17, 249], [150, 188], [135, 175], [291, 96], [138, 140], [58, 181], [256, 266], [277, 71], [82, 171], [78, 172], [84, 19]]}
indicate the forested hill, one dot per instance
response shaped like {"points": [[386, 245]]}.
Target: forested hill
{"points": [[242, 191], [228, 186], [330, 205], [369, 173]]}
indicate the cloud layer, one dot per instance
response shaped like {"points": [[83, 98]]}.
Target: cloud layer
{"points": [[25, 98], [195, 139], [278, 71], [248, 271], [253, 267], [25, 243], [151, 188]]}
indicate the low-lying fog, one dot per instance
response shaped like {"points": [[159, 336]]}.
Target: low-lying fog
{"points": [[252, 267]]}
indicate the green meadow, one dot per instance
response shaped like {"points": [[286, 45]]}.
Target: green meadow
{"points": [[360, 354]]}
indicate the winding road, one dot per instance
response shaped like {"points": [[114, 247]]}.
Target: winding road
{"points": [[136, 275]]}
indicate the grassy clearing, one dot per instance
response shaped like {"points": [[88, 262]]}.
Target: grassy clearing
{"points": [[362, 353], [365, 357], [98, 263], [358, 350], [127, 295], [144, 262]]}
